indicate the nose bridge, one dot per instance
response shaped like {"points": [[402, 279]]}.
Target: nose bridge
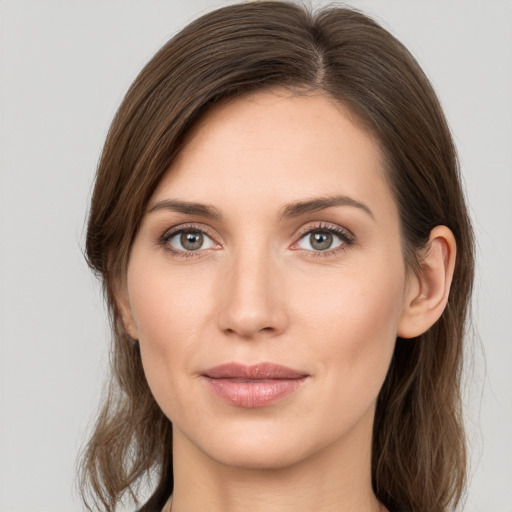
{"points": [[251, 300]]}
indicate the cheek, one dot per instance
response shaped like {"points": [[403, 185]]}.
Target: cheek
{"points": [[353, 324], [168, 312], [365, 294], [165, 303]]}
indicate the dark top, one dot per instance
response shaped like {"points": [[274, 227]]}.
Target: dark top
{"points": [[396, 508]]}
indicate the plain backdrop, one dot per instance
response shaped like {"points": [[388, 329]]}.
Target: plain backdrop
{"points": [[64, 68]]}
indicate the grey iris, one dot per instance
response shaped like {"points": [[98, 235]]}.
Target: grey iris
{"points": [[320, 240], [191, 240]]}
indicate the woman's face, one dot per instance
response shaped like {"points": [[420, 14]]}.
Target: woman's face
{"points": [[266, 283]]}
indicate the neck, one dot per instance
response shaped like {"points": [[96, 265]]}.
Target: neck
{"points": [[336, 479]]}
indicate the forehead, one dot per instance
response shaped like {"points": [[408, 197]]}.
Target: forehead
{"points": [[277, 146]]}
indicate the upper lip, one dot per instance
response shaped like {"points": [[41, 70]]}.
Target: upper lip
{"points": [[259, 371]]}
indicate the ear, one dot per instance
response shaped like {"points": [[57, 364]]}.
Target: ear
{"points": [[428, 290], [124, 307]]}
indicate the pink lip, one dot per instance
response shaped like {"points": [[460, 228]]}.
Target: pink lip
{"points": [[253, 386]]}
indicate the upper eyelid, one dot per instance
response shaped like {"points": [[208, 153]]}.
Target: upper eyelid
{"points": [[327, 226], [173, 231]]}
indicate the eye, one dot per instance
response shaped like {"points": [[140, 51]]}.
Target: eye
{"points": [[319, 241], [323, 239], [188, 240]]}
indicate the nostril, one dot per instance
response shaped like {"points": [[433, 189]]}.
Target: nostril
{"points": [[248, 332]]}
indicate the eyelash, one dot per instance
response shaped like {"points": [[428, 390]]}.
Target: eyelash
{"points": [[346, 237]]}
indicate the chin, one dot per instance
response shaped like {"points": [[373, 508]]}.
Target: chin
{"points": [[259, 455], [264, 444]]}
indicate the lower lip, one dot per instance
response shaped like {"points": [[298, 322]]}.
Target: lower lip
{"points": [[252, 394]]}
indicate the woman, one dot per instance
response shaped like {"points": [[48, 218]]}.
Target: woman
{"points": [[287, 258]]}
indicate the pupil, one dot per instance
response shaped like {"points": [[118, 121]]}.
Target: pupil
{"points": [[320, 241], [191, 240]]}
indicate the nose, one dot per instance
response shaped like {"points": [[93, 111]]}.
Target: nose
{"points": [[251, 296]]}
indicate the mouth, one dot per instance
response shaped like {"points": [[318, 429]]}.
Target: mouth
{"points": [[251, 386]]}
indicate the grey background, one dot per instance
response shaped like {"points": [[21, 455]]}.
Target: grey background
{"points": [[64, 67]]}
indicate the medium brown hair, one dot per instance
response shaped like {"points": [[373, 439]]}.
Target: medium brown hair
{"points": [[419, 456]]}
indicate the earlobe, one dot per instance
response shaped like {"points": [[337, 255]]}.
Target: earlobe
{"points": [[125, 310], [428, 290]]}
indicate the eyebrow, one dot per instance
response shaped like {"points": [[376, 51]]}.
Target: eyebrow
{"points": [[298, 208], [290, 210], [202, 210]]}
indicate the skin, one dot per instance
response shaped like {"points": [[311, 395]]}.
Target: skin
{"points": [[258, 290]]}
